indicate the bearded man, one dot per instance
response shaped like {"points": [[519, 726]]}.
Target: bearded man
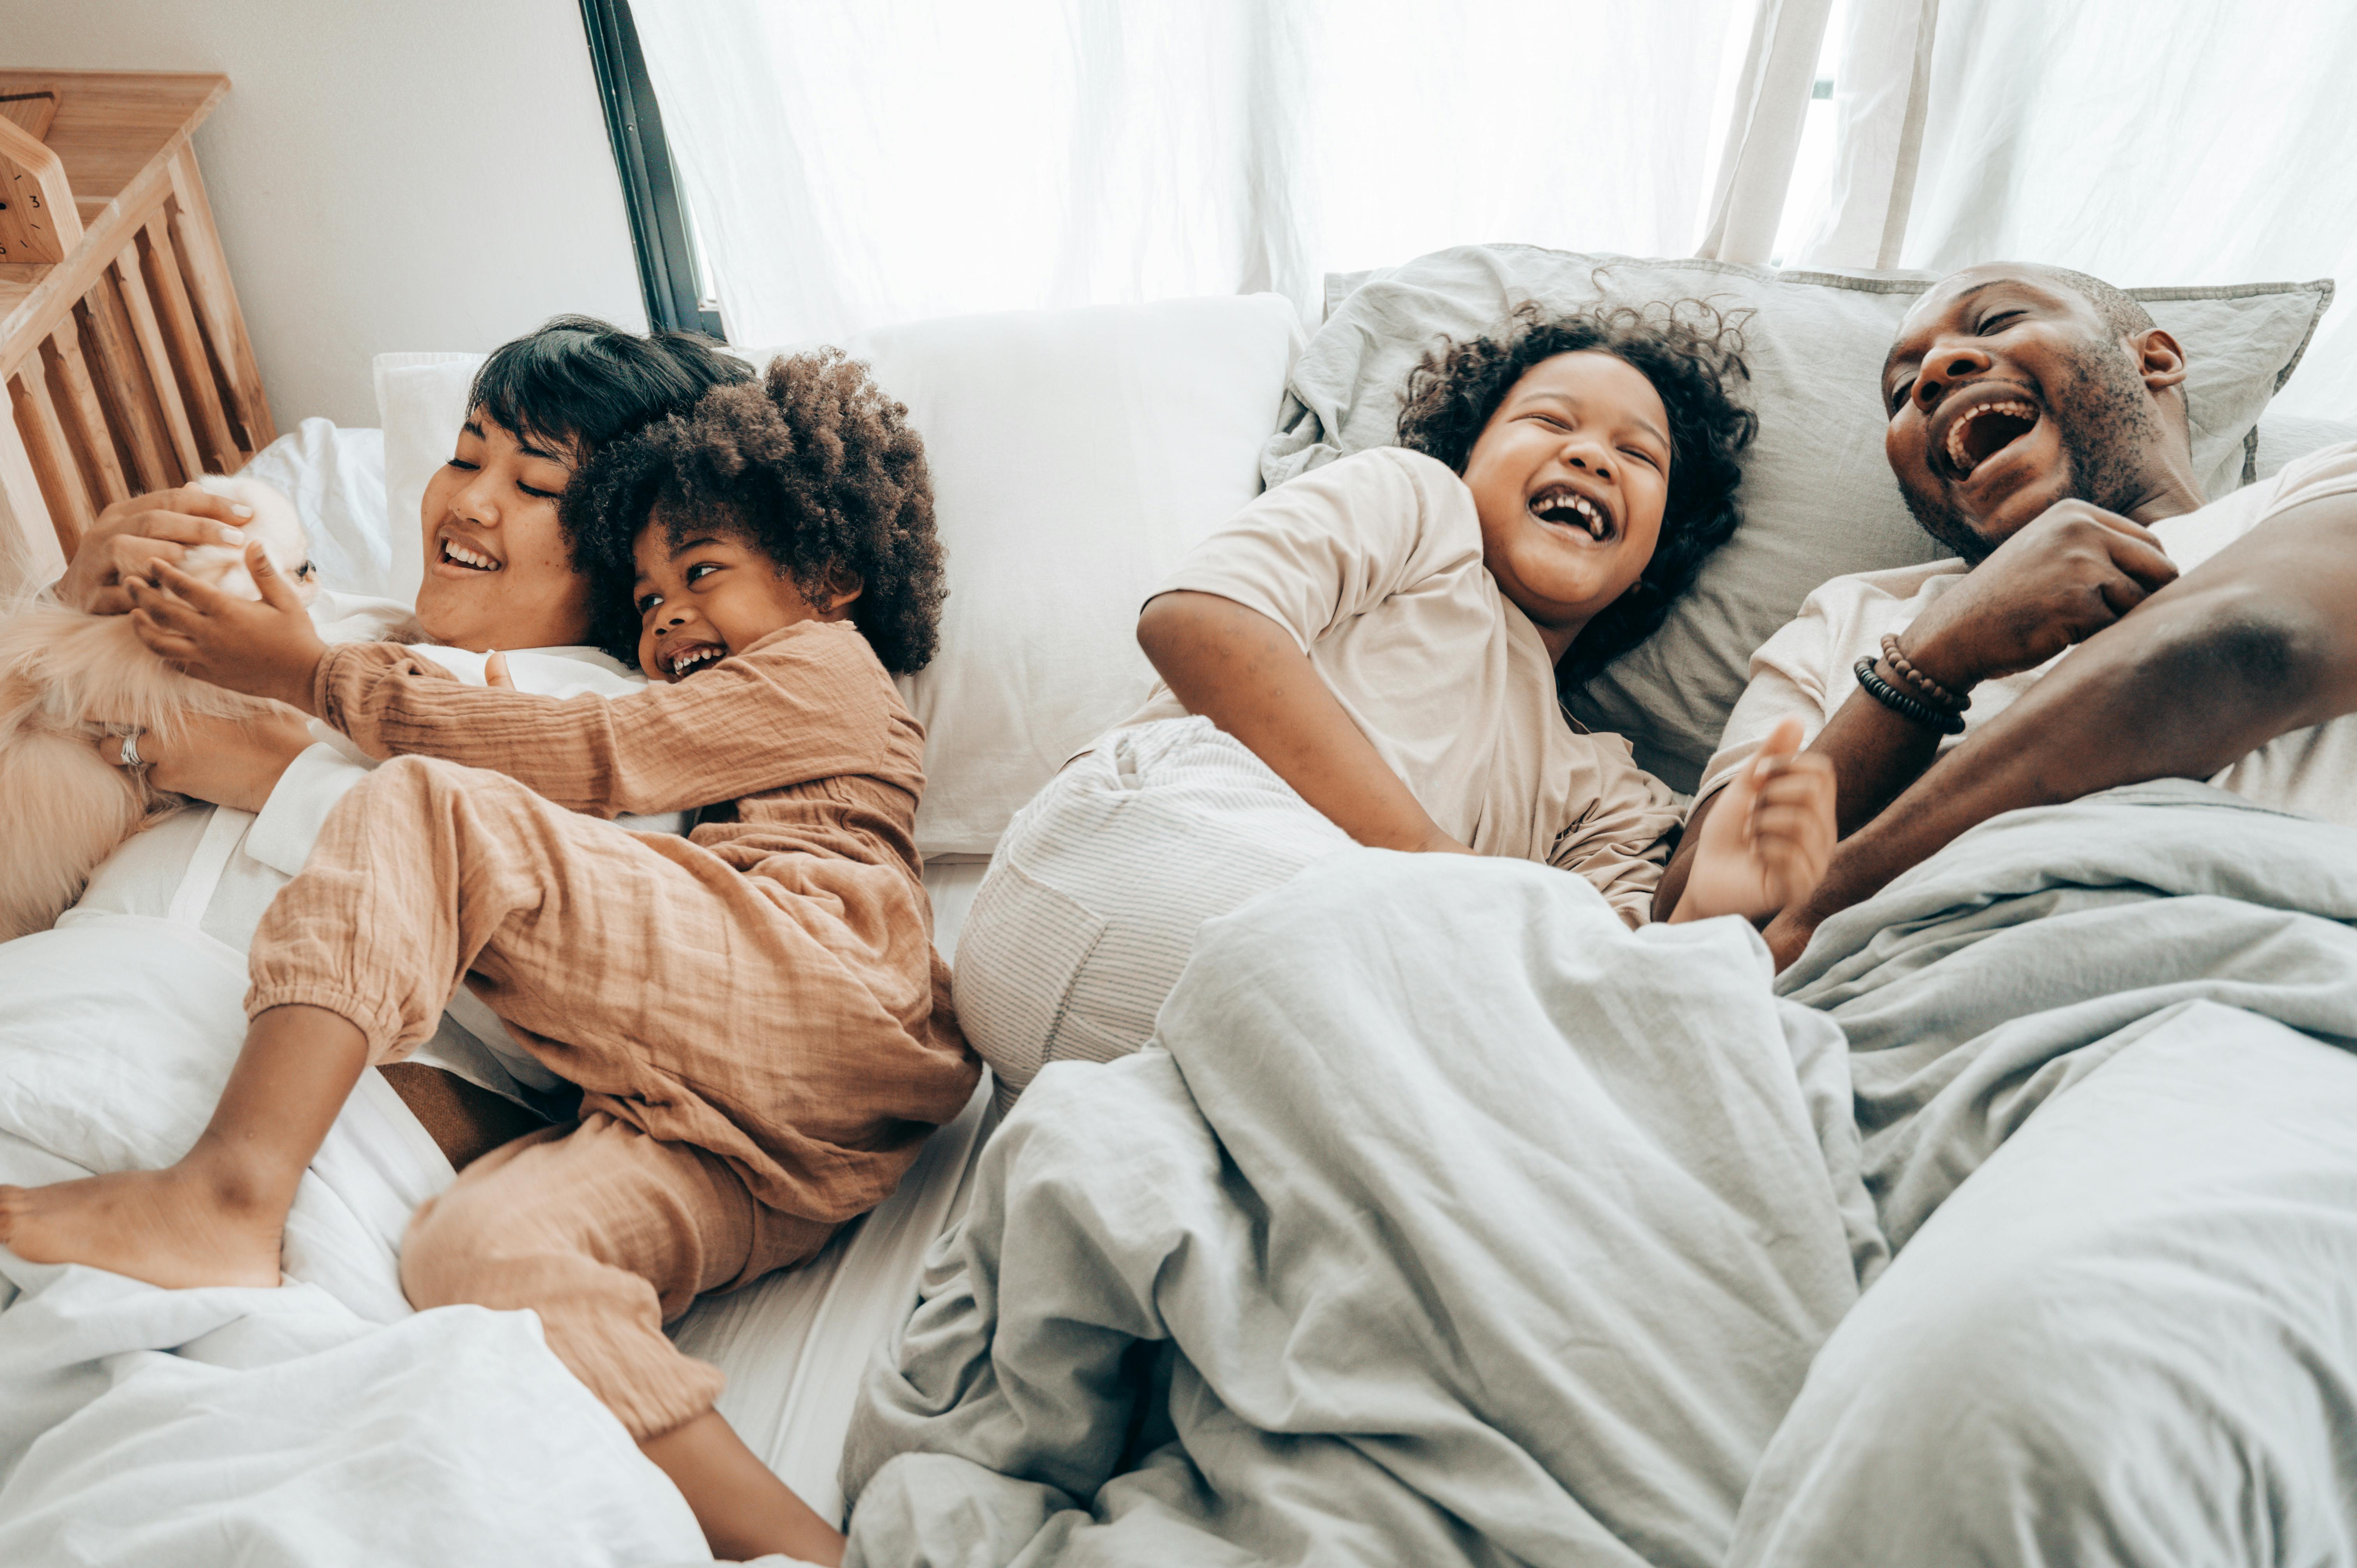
{"points": [[2038, 427], [2129, 1335]]}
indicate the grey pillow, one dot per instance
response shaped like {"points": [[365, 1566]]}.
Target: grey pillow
{"points": [[1818, 497]]}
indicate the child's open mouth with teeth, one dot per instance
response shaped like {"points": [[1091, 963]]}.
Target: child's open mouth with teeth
{"points": [[1564, 507], [709, 588], [682, 662]]}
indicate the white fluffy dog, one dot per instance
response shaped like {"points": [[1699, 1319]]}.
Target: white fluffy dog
{"points": [[69, 677]]}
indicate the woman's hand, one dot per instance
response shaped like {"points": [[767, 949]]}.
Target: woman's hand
{"points": [[229, 762], [129, 537], [1766, 844], [265, 649]]}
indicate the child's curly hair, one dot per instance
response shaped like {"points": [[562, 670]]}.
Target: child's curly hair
{"points": [[1693, 353], [814, 463]]}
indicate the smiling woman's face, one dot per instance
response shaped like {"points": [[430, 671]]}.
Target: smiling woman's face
{"points": [[497, 572]]}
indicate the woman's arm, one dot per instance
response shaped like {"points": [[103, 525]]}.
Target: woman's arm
{"points": [[233, 762], [1245, 673]]}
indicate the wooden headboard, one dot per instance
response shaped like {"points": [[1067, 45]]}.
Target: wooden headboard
{"points": [[122, 346]]}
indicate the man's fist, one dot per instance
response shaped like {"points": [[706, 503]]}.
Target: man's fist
{"points": [[2057, 582]]}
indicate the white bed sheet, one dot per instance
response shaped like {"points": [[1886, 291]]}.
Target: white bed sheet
{"points": [[245, 1426]]}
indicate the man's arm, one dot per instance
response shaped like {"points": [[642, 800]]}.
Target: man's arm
{"points": [[2062, 579], [2259, 641]]}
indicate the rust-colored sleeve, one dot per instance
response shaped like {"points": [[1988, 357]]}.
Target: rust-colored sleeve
{"points": [[806, 703]]}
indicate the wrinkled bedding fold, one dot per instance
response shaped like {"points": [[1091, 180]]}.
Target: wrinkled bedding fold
{"points": [[1451, 1271], [1473, 1228], [2028, 954]]}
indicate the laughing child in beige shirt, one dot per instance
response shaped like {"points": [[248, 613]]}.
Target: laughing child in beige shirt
{"points": [[1374, 654]]}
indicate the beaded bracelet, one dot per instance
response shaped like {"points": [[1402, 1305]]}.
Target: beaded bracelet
{"points": [[1905, 704], [1930, 690]]}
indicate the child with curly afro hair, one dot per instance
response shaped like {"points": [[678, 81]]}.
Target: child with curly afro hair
{"points": [[813, 469], [1374, 653]]}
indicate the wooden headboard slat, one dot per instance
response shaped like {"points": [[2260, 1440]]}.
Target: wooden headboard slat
{"points": [[125, 356]]}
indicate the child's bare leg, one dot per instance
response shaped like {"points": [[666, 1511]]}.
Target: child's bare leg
{"points": [[214, 1219], [744, 1510]]}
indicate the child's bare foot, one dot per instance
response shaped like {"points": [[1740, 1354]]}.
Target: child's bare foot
{"points": [[176, 1228]]}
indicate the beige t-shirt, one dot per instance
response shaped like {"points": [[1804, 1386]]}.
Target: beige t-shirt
{"points": [[1373, 564], [1805, 669]]}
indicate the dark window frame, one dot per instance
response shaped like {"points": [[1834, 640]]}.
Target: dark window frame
{"points": [[668, 275]]}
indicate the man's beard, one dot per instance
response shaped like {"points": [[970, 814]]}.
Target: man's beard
{"points": [[2106, 423]]}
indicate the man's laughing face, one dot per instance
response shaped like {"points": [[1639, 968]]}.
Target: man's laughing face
{"points": [[2008, 393]]}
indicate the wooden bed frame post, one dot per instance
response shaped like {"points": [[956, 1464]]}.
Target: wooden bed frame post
{"points": [[40, 554], [125, 360]]}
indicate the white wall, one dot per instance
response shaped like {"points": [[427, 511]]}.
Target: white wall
{"points": [[387, 174]]}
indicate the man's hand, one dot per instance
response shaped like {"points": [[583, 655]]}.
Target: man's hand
{"points": [[129, 537], [229, 762], [1766, 842], [265, 649], [2058, 582], [1787, 935]]}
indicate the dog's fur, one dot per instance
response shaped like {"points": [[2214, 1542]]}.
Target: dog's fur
{"points": [[67, 679]]}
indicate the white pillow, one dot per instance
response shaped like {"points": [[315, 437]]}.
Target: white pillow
{"points": [[1076, 454], [420, 400]]}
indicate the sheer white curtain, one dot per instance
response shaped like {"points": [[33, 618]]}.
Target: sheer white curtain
{"points": [[2196, 141], [852, 163]]}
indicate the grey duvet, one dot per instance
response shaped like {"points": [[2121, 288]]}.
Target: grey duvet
{"points": [[1450, 1221]]}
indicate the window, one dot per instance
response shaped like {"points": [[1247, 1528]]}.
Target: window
{"points": [[672, 273]]}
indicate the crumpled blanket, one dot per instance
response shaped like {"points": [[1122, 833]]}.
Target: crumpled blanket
{"points": [[1460, 1224], [318, 1422], [255, 1427], [2029, 952], [2103, 1055], [1463, 1224]]}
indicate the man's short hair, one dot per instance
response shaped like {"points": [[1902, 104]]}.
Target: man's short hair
{"points": [[2125, 317]]}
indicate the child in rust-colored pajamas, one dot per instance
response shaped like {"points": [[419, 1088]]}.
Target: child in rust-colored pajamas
{"points": [[755, 1017]]}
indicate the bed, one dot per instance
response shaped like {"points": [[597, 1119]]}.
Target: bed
{"points": [[1076, 454]]}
